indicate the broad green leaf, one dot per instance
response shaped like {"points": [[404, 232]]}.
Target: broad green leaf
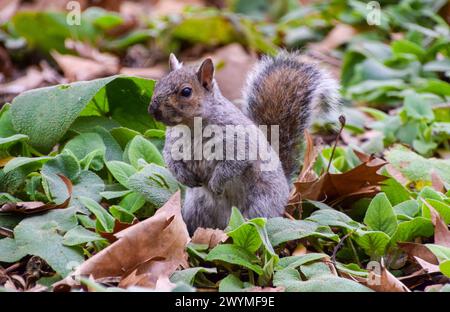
{"points": [[121, 171], [39, 114], [89, 149], [42, 236], [441, 207], [188, 275], [155, 183], [333, 218], [141, 148], [79, 236], [103, 217], [123, 135], [121, 214], [63, 164], [409, 230], [380, 215], [281, 230], [114, 194], [290, 279], [415, 167], [235, 255], [409, 208], [132, 202], [374, 243], [232, 283], [18, 162], [444, 267], [418, 107], [297, 261], [7, 142], [441, 252], [88, 184], [248, 234]]}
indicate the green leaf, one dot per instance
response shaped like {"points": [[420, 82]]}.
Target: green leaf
{"points": [[7, 142], [64, 164], [103, 217], [232, 283], [281, 230], [188, 275], [121, 214], [409, 230], [42, 236], [248, 234], [380, 216], [418, 107], [39, 114], [89, 149], [155, 183], [441, 252], [141, 148], [374, 243], [114, 194], [121, 171], [289, 278], [442, 208], [235, 255], [416, 167], [333, 218], [18, 162], [409, 208], [132, 202], [88, 184], [297, 261], [80, 236], [444, 267]]}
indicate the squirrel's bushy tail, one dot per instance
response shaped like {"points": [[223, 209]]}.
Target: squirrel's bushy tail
{"points": [[285, 91]]}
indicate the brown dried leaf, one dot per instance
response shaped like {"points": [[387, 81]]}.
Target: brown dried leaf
{"points": [[362, 180], [210, 237], [77, 68], [415, 250], [427, 266], [7, 10], [340, 34], [151, 248], [436, 182], [441, 231], [385, 282], [32, 79], [37, 206]]}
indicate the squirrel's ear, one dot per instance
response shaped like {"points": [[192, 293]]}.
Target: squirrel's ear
{"points": [[174, 63], [205, 73]]}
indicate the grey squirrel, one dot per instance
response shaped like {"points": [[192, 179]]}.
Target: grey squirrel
{"points": [[281, 91]]}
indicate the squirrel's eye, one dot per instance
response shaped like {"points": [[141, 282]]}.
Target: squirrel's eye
{"points": [[186, 92]]}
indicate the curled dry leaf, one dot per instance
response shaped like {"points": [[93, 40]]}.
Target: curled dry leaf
{"points": [[210, 237], [145, 251], [93, 65], [415, 250], [37, 206], [32, 79], [361, 181], [339, 35], [441, 231], [383, 282], [436, 182]]}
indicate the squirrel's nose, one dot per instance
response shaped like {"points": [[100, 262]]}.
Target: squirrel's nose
{"points": [[152, 108]]}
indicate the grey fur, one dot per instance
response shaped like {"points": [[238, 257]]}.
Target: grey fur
{"points": [[215, 186]]}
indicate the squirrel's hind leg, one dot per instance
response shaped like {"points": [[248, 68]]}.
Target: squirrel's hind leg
{"points": [[201, 208]]}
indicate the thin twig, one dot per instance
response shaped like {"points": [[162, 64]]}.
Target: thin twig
{"points": [[342, 121]]}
